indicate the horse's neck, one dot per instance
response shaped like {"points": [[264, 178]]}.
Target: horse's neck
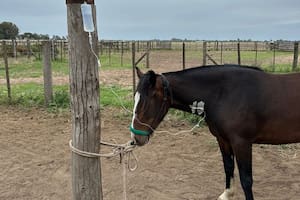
{"points": [[191, 89]]}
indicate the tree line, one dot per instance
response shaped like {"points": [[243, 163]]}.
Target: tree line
{"points": [[10, 31]]}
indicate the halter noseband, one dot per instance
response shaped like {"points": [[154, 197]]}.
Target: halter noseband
{"points": [[166, 93]]}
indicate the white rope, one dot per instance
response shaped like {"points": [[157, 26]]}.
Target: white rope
{"points": [[149, 126], [170, 133], [123, 150]]}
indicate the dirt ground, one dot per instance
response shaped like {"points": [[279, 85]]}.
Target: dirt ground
{"points": [[35, 161], [35, 157]]}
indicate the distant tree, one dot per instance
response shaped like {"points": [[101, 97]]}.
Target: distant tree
{"points": [[34, 36], [56, 37], [8, 30]]}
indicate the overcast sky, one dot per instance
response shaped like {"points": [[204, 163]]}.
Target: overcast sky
{"points": [[166, 19]]}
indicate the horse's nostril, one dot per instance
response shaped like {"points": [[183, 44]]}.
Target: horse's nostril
{"points": [[133, 142]]}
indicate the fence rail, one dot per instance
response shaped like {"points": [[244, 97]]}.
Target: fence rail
{"points": [[206, 52]]}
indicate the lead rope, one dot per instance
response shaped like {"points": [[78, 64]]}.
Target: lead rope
{"points": [[176, 133], [123, 150], [149, 126]]}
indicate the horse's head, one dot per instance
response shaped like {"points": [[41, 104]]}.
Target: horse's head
{"points": [[152, 102]]}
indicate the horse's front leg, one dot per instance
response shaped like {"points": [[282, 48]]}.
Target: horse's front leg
{"points": [[228, 161]]}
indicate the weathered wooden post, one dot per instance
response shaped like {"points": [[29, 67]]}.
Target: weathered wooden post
{"points": [[296, 53], [239, 53], [6, 71], [221, 62], [14, 47], [274, 56], [28, 49], [256, 51], [109, 53], [148, 55], [204, 53], [85, 107], [133, 67], [122, 53], [61, 50], [48, 91], [183, 55]]}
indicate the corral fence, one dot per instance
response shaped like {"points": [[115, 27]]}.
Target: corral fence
{"points": [[270, 55], [33, 48], [265, 54], [161, 56]]}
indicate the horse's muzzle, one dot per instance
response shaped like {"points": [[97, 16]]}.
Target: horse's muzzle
{"points": [[140, 140]]}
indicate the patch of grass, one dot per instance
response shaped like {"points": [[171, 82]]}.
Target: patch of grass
{"points": [[114, 61], [117, 97], [32, 94], [33, 69]]}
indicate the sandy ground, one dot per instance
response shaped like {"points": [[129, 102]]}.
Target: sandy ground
{"points": [[35, 157], [35, 162]]}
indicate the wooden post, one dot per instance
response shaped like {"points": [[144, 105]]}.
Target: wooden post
{"points": [[109, 53], [256, 51], [148, 55], [204, 53], [39, 49], [274, 55], [122, 53], [6, 71], [48, 91], [61, 51], [28, 49], [133, 67], [14, 47], [221, 53], [239, 53], [296, 53], [183, 55], [85, 107]]}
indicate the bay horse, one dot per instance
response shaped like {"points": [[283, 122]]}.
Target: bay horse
{"points": [[243, 105]]}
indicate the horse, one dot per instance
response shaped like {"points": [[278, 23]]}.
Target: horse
{"points": [[243, 105]]}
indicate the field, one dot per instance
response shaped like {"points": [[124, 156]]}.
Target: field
{"points": [[35, 157]]}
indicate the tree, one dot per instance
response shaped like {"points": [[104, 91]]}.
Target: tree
{"points": [[8, 30], [34, 36]]}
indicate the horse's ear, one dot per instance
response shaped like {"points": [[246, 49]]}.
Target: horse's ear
{"points": [[152, 78], [139, 72]]}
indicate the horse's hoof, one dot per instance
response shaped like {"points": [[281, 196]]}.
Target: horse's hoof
{"points": [[226, 195]]}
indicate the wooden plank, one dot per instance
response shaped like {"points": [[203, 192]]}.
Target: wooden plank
{"points": [[211, 59], [140, 59]]}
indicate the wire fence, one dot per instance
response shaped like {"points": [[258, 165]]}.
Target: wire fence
{"points": [[277, 56]]}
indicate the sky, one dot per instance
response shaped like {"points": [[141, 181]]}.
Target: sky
{"points": [[166, 19]]}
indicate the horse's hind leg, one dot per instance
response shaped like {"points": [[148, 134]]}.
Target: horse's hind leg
{"points": [[228, 161], [243, 153]]}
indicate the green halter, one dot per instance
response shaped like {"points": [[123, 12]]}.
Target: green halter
{"points": [[138, 132]]}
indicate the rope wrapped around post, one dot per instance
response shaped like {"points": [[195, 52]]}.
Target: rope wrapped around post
{"points": [[121, 150], [118, 150]]}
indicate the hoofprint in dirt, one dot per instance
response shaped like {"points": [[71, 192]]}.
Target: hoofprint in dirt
{"points": [[35, 161]]}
